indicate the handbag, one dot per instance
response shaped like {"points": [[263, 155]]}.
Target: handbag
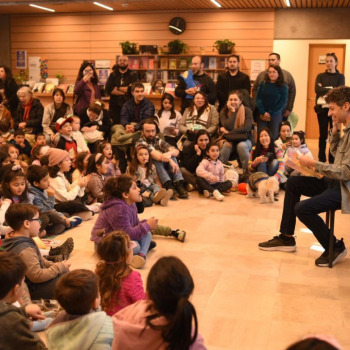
{"points": [[236, 137]]}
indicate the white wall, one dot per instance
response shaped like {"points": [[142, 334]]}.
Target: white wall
{"points": [[295, 59]]}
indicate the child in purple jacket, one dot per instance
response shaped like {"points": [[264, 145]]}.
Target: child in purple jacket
{"points": [[119, 213]]}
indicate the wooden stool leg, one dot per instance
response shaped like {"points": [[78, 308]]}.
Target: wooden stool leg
{"points": [[331, 214]]}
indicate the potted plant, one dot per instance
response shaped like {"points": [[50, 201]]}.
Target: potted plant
{"points": [[22, 77], [128, 48], [60, 78], [223, 46], [177, 46]]}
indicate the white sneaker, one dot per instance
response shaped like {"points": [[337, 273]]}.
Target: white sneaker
{"points": [[94, 207], [218, 196]]}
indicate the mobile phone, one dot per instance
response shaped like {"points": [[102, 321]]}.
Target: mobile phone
{"points": [[269, 154], [289, 138]]}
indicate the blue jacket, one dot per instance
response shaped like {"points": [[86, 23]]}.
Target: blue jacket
{"points": [[42, 200], [271, 98], [127, 113]]}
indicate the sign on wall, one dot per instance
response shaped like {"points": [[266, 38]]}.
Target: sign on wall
{"points": [[21, 59], [256, 67]]}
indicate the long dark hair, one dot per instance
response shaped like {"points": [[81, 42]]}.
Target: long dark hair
{"points": [[8, 74], [169, 97], [169, 286], [202, 109], [59, 113], [135, 163], [258, 148], [79, 162], [301, 134], [280, 79], [11, 173], [94, 79], [91, 167], [200, 133]]}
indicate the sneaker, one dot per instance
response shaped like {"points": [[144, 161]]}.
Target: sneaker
{"points": [[152, 245], [207, 194], [338, 254], [64, 249], [74, 221], [138, 261], [277, 243], [159, 195], [218, 196], [189, 187], [179, 235], [165, 200], [85, 215], [95, 208], [179, 187]]}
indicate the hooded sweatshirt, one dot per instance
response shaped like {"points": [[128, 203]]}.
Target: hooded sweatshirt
{"points": [[93, 331], [130, 322], [15, 331], [118, 215]]}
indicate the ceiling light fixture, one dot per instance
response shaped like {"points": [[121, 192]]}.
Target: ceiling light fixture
{"points": [[42, 8], [287, 3], [215, 3], [104, 6]]}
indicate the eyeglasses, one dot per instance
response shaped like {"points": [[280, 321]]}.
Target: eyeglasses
{"points": [[40, 220]]}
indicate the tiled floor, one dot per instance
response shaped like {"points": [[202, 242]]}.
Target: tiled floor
{"points": [[246, 298]]}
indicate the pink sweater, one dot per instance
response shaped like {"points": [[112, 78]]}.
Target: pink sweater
{"points": [[207, 168], [131, 291]]}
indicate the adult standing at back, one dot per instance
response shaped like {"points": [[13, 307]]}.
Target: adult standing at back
{"points": [[326, 81], [86, 87], [201, 82], [118, 86], [232, 79], [10, 87], [275, 60]]}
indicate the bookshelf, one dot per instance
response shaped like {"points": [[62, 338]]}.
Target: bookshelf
{"points": [[168, 67]]}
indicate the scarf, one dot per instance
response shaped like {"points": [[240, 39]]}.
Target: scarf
{"points": [[27, 109], [98, 120], [194, 122]]}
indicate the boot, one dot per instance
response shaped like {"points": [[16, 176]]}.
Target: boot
{"points": [[179, 235], [64, 249], [168, 185], [180, 188]]}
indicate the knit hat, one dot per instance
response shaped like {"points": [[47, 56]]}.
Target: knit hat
{"points": [[56, 156], [60, 122], [242, 188]]}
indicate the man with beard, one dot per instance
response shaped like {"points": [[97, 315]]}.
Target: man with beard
{"points": [[118, 86], [332, 192], [231, 80], [202, 82], [164, 158], [275, 60]]}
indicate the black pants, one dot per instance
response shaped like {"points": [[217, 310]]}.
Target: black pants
{"points": [[56, 224], [114, 114], [325, 195], [203, 184], [44, 290], [71, 207], [324, 124], [122, 157]]}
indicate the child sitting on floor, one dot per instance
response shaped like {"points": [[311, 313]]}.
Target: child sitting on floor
{"points": [[168, 320], [119, 213], [82, 325], [78, 136], [106, 149], [80, 166], [14, 321], [23, 146], [41, 275], [210, 175], [120, 286]]}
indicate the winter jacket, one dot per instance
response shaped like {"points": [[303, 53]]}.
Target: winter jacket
{"points": [[302, 149], [120, 137], [5, 114], [38, 268], [94, 187], [15, 331], [190, 159], [35, 117], [83, 92], [42, 200], [127, 113], [27, 150], [104, 125], [131, 331], [93, 331], [208, 168], [49, 119], [205, 83], [64, 190], [10, 91], [117, 215]]}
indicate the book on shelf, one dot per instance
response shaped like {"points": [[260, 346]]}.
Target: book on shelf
{"points": [[183, 63], [206, 62], [164, 63], [222, 63], [149, 76], [143, 63], [148, 88], [304, 170], [212, 63], [151, 63], [170, 88], [38, 87], [49, 88], [134, 63], [165, 76], [172, 63], [71, 89], [64, 87], [158, 91]]}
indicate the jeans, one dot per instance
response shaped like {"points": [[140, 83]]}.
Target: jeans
{"points": [[188, 176], [164, 168], [152, 190], [325, 195], [324, 123], [144, 243], [242, 148], [203, 184], [269, 169], [273, 124]]}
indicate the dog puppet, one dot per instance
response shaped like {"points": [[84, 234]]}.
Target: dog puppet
{"points": [[263, 186]]}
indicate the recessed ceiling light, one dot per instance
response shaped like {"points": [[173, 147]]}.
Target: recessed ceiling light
{"points": [[216, 3], [104, 6], [42, 8], [287, 3]]}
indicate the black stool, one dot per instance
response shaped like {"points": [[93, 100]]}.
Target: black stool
{"points": [[330, 214]]}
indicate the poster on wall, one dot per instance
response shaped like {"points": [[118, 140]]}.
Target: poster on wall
{"points": [[103, 76], [34, 68], [256, 67], [104, 64], [21, 59]]}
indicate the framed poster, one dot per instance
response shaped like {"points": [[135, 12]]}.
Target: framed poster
{"points": [[21, 59], [103, 76], [256, 67], [105, 64], [34, 68]]}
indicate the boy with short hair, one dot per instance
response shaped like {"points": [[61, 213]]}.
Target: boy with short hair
{"points": [[41, 275], [44, 198], [14, 321], [82, 324], [66, 141], [23, 146], [40, 140], [78, 136]]}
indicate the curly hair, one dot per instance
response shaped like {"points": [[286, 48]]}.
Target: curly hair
{"points": [[115, 187]]}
